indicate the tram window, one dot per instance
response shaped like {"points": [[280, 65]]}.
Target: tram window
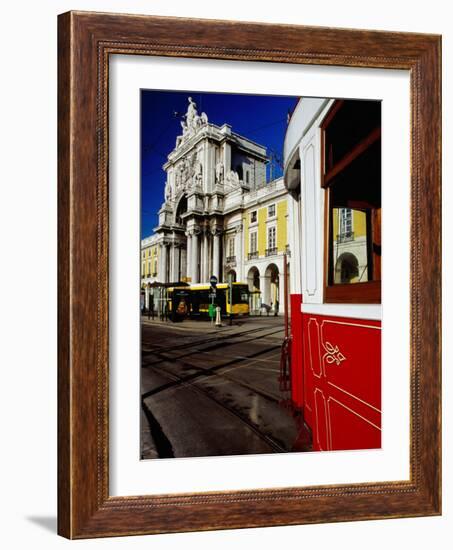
{"points": [[240, 294], [351, 123], [352, 178]]}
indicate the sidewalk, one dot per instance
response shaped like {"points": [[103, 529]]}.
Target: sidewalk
{"points": [[206, 325]]}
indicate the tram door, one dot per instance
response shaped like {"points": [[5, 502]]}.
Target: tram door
{"points": [[342, 382]]}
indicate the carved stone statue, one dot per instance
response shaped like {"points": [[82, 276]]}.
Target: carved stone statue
{"points": [[192, 123], [167, 191], [191, 113], [180, 175], [219, 172], [198, 173], [232, 179]]}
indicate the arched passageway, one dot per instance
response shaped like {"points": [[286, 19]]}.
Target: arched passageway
{"points": [[346, 268], [271, 294], [253, 281], [231, 276]]}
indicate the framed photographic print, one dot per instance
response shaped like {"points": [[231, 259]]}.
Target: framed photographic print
{"points": [[249, 275]]}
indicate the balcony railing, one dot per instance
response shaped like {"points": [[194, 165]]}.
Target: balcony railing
{"points": [[231, 259], [253, 255], [345, 237], [272, 251]]}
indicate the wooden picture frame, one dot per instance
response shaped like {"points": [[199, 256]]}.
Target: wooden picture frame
{"points": [[85, 41]]}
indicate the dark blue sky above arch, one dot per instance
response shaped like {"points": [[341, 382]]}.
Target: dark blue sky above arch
{"points": [[260, 118]]}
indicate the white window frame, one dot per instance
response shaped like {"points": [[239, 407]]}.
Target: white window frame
{"points": [[255, 248], [271, 229], [345, 221], [231, 247]]}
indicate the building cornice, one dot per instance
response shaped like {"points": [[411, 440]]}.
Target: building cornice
{"points": [[219, 134]]}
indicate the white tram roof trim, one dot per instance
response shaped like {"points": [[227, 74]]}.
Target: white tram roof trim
{"points": [[371, 312], [302, 119]]}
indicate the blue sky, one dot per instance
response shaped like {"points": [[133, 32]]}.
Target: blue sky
{"points": [[260, 118]]}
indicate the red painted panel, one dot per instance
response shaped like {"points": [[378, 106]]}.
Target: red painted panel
{"points": [[359, 429], [352, 357], [310, 342], [342, 369], [320, 433], [314, 347], [296, 352]]}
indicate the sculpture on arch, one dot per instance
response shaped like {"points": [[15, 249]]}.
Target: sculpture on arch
{"points": [[192, 122], [232, 179], [219, 172]]}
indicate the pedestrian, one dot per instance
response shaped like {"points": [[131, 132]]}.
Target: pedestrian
{"points": [[276, 308], [152, 307]]}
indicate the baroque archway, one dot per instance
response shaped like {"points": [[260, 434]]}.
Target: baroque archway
{"points": [[346, 268], [272, 287]]}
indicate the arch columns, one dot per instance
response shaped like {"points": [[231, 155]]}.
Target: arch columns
{"points": [[163, 264], [204, 268], [189, 255], [194, 251], [216, 255], [239, 258], [146, 297], [265, 287], [175, 264]]}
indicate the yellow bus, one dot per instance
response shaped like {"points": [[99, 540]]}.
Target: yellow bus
{"points": [[194, 300]]}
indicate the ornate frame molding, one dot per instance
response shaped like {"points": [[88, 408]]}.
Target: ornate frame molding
{"points": [[86, 40]]}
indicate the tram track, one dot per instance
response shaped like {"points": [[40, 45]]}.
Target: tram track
{"points": [[212, 371], [206, 381], [217, 344], [183, 382], [216, 338]]}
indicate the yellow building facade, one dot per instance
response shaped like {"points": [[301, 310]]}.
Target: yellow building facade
{"points": [[265, 234], [349, 261], [149, 260], [253, 244], [220, 216]]}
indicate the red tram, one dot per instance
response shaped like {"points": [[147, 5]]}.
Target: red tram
{"points": [[333, 174]]}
